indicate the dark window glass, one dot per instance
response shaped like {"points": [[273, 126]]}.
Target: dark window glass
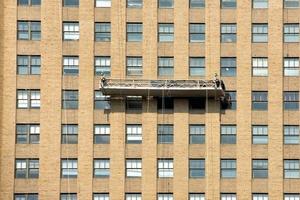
{"points": [[228, 3], [102, 134], [134, 103], [134, 32], [197, 134], [101, 101], [291, 3], [165, 134], [165, 3], [228, 67], [197, 3], [260, 168], [228, 168], [165, 103], [71, 3], [134, 3], [70, 99], [102, 32], [197, 168], [70, 134], [259, 100], [291, 100], [228, 134]]}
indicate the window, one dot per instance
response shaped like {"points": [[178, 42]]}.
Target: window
{"points": [[29, 65], [69, 134], [228, 196], [103, 3], [134, 32], [197, 134], [291, 196], [228, 134], [68, 196], [133, 168], [165, 134], [71, 65], [259, 134], [134, 66], [291, 100], [196, 103], [71, 30], [28, 99], [259, 100], [26, 196], [101, 101], [165, 168], [197, 168], [291, 66], [259, 32], [131, 196], [101, 196], [134, 134], [102, 66], [259, 66], [165, 3], [291, 3], [291, 134], [71, 3], [197, 66], [101, 168], [260, 3], [134, 103], [260, 197], [291, 169], [102, 134], [134, 3], [228, 168], [165, 104], [228, 32], [228, 67], [231, 95], [259, 168], [28, 133], [70, 99], [165, 32], [197, 32], [165, 66], [102, 32], [69, 168], [164, 196], [29, 3], [29, 30], [27, 168], [196, 196], [228, 3], [197, 3], [291, 32]]}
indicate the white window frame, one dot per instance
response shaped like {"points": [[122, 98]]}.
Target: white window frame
{"points": [[103, 3], [259, 66], [71, 31], [228, 196], [260, 197], [133, 168], [291, 66], [134, 133], [165, 168], [69, 168]]}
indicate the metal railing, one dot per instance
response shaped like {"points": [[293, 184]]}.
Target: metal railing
{"points": [[160, 84]]}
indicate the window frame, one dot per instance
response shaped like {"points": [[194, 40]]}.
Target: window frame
{"points": [[102, 32], [134, 29], [102, 134], [71, 63], [102, 66], [198, 31], [159, 3], [165, 32], [260, 134], [30, 31], [71, 5], [228, 167], [133, 167], [30, 64], [260, 66], [228, 32], [293, 169], [261, 102], [291, 100], [291, 30], [260, 168], [28, 171], [104, 168], [135, 131], [228, 64], [228, 133], [260, 7], [165, 64], [69, 172], [260, 32], [29, 134], [30, 97], [290, 66], [103, 3], [195, 64], [70, 101], [67, 134], [139, 4], [293, 133], [163, 134], [199, 170], [197, 133], [71, 35], [165, 168], [200, 4], [134, 66], [101, 102], [224, 6]]}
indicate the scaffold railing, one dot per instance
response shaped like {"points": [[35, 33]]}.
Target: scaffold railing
{"points": [[157, 87]]}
